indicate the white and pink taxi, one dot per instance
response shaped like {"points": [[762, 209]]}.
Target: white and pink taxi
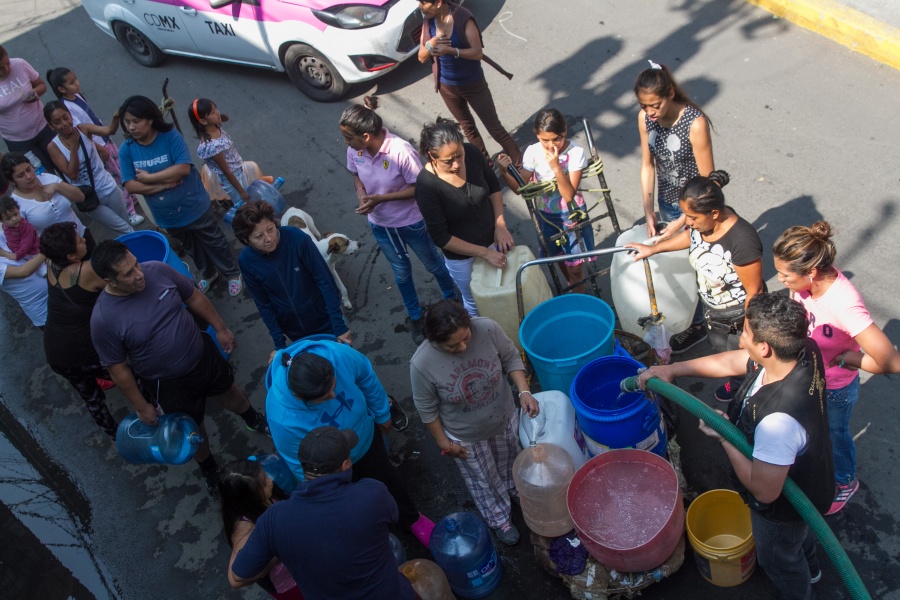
{"points": [[323, 45]]}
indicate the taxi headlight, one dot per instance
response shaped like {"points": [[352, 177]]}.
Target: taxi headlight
{"points": [[352, 16]]}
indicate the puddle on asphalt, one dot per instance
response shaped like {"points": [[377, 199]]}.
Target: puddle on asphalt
{"points": [[41, 510]]}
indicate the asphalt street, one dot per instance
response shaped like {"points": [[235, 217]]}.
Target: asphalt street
{"points": [[806, 128]]}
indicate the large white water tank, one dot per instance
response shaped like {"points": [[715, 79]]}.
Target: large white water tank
{"points": [[494, 290], [674, 281]]}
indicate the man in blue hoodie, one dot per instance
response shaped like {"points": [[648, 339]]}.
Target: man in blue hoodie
{"points": [[287, 277], [331, 534], [315, 383]]}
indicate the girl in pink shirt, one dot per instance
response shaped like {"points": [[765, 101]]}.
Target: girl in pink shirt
{"points": [[842, 327]]}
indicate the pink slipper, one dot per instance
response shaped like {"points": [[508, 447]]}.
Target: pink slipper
{"points": [[235, 286], [422, 530]]}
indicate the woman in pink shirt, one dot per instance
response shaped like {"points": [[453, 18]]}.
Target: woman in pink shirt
{"points": [[842, 327], [22, 123]]}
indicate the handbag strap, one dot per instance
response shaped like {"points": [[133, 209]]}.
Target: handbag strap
{"points": [[87, 161]]}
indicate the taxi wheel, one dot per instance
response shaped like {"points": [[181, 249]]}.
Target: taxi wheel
{"points": [[313, 74], [139, 47]]}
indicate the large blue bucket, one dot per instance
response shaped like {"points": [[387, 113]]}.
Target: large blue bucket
{"points": [[152, 245], [610, 419], [565, 333]]}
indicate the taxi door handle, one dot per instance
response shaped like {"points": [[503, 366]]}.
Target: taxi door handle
{"points": [[188, 10]]}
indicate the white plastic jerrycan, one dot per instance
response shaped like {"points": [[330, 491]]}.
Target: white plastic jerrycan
{"points": [[494, 290], [555, 425], [674, 281]]}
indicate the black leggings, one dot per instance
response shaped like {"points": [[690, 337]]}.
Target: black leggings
{"points": [[375, 464], [84, 380]]}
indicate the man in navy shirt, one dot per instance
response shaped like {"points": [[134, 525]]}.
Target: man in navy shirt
{"points": [[331, 534]]}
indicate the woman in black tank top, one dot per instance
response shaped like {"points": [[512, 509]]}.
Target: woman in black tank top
{"points": [[73, 290]]}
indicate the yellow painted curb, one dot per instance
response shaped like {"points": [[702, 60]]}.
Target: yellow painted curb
{"points": [[848, 27]]}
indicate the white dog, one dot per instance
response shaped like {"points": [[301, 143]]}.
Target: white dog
{"points": [[332, 246]]}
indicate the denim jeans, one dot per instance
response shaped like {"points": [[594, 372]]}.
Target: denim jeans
{"points": [[394, 242], [229, 189], [461, 272], [669, 212], [786, 550], [840, 407]]}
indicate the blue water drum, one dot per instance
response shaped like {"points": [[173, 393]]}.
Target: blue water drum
{"points": [[461, 545], [278, 471], [565, 333], [609, 418], [397, 549], [173, 441]]}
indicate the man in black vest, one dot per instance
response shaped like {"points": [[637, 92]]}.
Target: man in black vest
{"points": [[781, 409]]}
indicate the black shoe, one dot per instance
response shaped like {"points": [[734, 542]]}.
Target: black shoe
{"points": [[725, 392], [416, 328], [687, 339], [212, 484], [398, 417], [260, 424]]}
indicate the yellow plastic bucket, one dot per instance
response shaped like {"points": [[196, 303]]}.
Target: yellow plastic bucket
{"points": [[718, 527]]}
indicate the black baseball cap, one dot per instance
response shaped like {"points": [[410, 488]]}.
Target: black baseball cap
{"points": [[324, 449]]}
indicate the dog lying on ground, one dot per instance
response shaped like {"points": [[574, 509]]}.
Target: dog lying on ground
{"points": [[332, 246]]}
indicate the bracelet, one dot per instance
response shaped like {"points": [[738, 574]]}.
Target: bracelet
{"points": [[526, 392], [457, 53], [358, 190], [447, 451], [843, 356]]}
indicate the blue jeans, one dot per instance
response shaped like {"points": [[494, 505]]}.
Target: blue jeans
{"points": [[840, 407], [229, 189], [786, 550], [669, 212], [394, 242]]}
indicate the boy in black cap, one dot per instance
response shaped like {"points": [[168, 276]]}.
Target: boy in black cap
{"points": [[331, 534]]}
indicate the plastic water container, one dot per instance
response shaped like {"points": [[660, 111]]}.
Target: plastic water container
{"points": [[674, 282], [559, 427], [427, 579], [278, 471], [397, 549], [494, 290], [174, 441], [542, 474], [152, 245], [264, 191], [610, 418], [565, 333], [35, 162], [461, 545]]}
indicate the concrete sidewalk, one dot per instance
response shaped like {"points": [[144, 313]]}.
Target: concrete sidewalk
{"points": [[870, 27]]}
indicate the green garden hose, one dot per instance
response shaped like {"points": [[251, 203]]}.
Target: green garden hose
{"points": [[793, 493]]}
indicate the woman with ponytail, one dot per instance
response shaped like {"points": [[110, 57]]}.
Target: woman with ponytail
{"points": [[842, 327]]}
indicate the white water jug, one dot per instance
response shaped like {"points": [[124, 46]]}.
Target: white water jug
{"points": [[674, 281], [494, 290], [559, 426]]}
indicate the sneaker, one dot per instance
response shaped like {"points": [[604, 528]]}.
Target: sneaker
{"points": [[417, 335], [687, 339], [105, 384], [845, 491], [235, 286], [205, 284], [212, 483], [725, 393], [398, 415], [508, 534], [261, 425], [422, 530], [135, 219], [815, 578]]}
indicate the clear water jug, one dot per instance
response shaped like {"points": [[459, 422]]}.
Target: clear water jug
{"points": [[427, 579], [558, 427], [278, 471], [461, 545], [173, 441], [494, 290], [542, 474], [265, 191], [674, 282], [397, 549]]}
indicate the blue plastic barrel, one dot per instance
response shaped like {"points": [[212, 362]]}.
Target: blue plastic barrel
{"points": [[609, 418], [152, 245], [462, 547], [565, 333]]}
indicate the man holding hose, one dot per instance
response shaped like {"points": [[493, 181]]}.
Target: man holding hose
{"points": [[780, 408]]}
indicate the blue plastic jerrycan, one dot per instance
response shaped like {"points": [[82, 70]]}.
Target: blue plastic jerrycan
{"points": [[461, 545], [267, 192], [174, 441], [278, 471]]}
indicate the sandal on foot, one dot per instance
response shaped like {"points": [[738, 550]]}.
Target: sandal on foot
{"points": [[205, 284], [235, 286]]}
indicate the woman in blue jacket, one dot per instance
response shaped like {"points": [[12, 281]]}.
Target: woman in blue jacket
{"points": [[287, 277], [314, 383]]}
